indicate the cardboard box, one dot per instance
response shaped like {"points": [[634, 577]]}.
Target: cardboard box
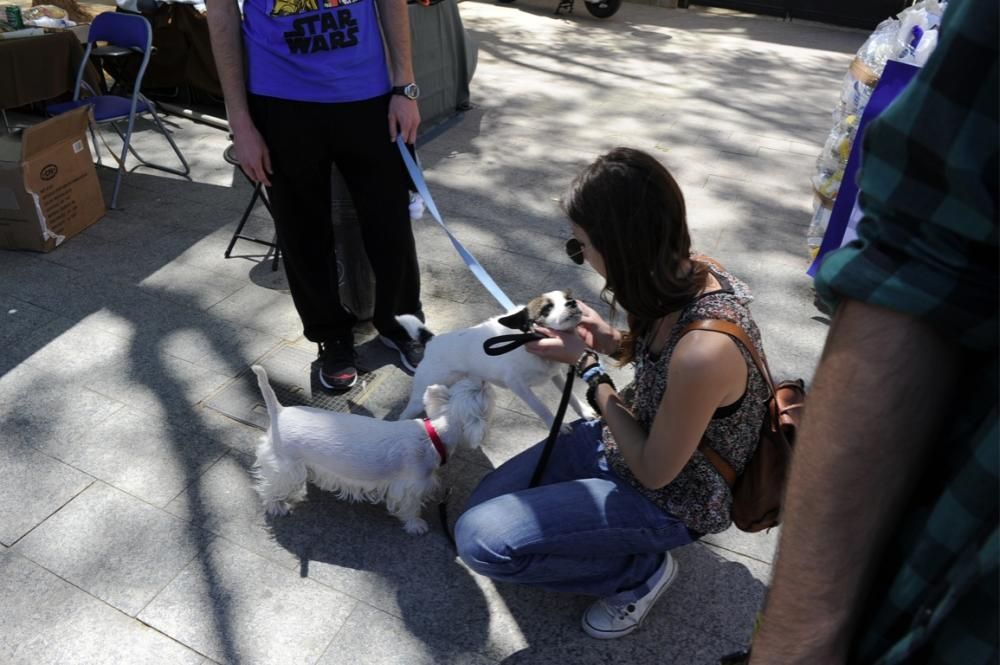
{"points": [[48, 184]]}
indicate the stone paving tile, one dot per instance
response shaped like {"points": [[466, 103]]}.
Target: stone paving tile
{"points": [[190, 285], [158, 384], [372, 637], [760, 546], [717, 591], [35, 487], [124, 561], [92, 255], [129, 230], [145, 456], [48, 621], [261, 309], [19, 319], [237, 607], [239, 437], [69, 352], [227, 505], [49, 286], [220, 346], [37, 407]]}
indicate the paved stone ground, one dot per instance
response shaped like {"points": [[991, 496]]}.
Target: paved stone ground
{"points": [[129, 530]]}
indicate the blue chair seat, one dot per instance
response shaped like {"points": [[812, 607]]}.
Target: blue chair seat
{"points": [[124, 32], [106, 107]]}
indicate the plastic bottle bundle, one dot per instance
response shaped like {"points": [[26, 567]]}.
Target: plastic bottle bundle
{"points": [[910, 37]]}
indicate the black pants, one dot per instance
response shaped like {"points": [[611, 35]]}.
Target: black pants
{"points": [[304, 139]]}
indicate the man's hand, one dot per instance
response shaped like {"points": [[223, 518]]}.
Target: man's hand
{"points": [[404, 118], [251, 151]]}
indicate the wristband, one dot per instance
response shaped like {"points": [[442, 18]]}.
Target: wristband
{"points": [[592, 390], [582, 359], [592, 372]]}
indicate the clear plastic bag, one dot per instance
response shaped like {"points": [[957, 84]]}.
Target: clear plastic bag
{"points": [[910, 36]]}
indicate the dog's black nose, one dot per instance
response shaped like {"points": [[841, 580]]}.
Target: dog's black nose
{"points": [[570, 303]]}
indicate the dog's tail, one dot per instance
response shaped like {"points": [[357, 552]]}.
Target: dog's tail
{"points": [[415, 328], [270, 399]]}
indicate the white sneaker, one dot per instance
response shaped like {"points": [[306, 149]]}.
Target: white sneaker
{"points": [[616, 616]]}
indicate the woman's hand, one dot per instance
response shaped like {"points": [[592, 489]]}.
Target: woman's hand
{"points": [[559, 346], [597, 333]]}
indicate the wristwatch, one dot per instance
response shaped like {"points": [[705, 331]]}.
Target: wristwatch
{"points": [[410, 91]]}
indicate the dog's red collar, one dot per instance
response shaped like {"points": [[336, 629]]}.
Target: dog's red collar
{"points": [[436, 440]]}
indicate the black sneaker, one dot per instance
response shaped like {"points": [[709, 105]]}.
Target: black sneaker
{"points": [[337, 371], [411, 352]]}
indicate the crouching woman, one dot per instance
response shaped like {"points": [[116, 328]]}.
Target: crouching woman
{"points": [[621, 491]]}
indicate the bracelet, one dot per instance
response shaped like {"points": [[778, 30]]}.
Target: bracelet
{"points": [[592, 390], [592, 371], [582, 359]]}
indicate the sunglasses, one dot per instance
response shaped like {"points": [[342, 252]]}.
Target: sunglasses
{"points": [[574, 250]]}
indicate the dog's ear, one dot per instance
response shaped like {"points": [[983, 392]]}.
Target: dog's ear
{"points": [[436, 399], [519, 320]]}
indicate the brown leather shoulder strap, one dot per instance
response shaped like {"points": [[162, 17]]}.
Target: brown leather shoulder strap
{"points": [[727, 472], [740, 335], [737, 333]]}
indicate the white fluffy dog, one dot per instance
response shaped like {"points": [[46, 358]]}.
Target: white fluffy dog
{"points": [[453, 355], [363, 458]]}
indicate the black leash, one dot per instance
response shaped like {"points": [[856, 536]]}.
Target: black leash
{"points": [[497, 346]]}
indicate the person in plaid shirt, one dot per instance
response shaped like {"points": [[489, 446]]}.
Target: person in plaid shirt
{"points": [[889, 550]]}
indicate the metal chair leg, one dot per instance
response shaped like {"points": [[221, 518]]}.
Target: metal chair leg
{"points": [[243, 221], [170, 139]]}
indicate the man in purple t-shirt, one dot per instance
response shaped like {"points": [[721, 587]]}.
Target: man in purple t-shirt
{"points": [[307, 86]]}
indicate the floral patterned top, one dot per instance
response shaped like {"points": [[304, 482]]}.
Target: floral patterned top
{"points": [[699, 495]]}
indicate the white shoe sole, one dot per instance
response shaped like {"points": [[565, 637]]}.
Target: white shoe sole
{"points": [[610, 635], [338, 388], [402, 357]]}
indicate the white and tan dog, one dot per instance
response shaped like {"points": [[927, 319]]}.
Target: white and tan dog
{"points": [[366, 459], [453, 355]]}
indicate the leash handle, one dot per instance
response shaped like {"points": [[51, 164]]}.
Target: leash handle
{"points": [[470, 261], [501, 344]]}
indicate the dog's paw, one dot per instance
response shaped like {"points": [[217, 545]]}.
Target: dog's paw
{"points": [[415, 527]]}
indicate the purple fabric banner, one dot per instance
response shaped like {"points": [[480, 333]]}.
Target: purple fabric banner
{"points": [[895, 77]]}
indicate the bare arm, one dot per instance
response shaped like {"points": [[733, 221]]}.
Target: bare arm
{"points": [[226, 34], [706, 371], [403, 113], [875, 408]]}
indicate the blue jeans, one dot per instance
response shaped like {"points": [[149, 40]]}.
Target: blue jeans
{"points": [[582, 530]]}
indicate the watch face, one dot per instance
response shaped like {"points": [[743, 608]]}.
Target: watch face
{"points": [[411, 91]]}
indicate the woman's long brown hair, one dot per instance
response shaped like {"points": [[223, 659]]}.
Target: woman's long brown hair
{"points": [[633, 212]]}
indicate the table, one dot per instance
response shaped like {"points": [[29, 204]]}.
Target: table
{"points": [[38, 69]]}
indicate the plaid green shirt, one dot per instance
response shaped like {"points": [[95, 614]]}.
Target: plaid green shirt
{"points": [[928, 246]]}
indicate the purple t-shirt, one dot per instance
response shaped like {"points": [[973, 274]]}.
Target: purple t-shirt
{"points": [[314, 50]]}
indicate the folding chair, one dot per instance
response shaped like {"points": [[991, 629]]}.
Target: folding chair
{"points": [[132, 32], [258, 193]]}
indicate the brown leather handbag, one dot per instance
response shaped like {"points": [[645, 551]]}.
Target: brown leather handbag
{"points": [[758, 490]]}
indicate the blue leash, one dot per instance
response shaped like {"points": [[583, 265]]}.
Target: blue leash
{"points": [[494, 346], [474, 266]]}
